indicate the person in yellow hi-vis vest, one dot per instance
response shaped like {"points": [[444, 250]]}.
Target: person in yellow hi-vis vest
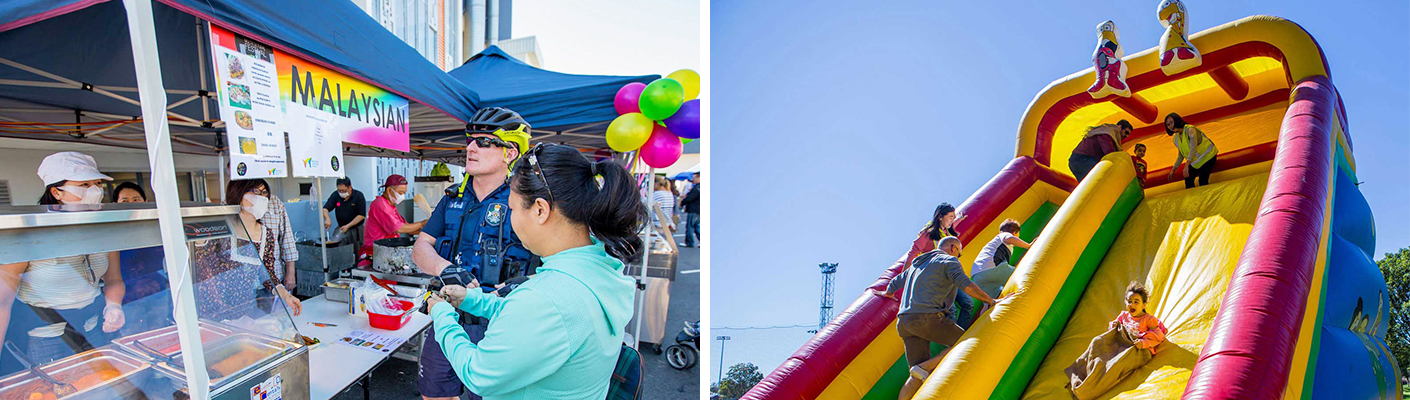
{"points": [[1193, 146]]}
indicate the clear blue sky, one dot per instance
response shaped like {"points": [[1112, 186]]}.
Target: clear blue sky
{"points": [[840, 125]]}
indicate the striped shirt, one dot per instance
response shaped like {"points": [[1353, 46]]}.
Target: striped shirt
{"points": [[666, 202], [64, 283]]}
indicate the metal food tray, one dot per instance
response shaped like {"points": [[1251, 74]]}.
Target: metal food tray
{"points": [[341, 295], [228, 347], [157, 339], [134, 375]]}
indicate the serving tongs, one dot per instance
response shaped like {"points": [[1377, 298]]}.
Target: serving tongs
{"points": [[61, 389], [385, 284], [170, 359]]}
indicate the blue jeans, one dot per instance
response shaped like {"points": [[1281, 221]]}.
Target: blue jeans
{"points": [[965, 315], [692, 228]]}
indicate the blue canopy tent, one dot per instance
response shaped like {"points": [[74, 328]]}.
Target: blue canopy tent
{"points": [[563, 108], [70, 61]]}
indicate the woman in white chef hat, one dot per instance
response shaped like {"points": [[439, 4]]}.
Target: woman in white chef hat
{"points": [[70, 304]]}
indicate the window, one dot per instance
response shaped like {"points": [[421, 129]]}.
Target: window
{"points": [[433, 21], [5, 193], [452, 35], [305, 189]]}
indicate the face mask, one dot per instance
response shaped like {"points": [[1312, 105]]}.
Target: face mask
{"points": [[344, 194], [86, 195], [397, 197], [259, 205]]}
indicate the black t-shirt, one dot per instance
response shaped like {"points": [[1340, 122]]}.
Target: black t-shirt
{"points": [[691, 202], [346, 209]]}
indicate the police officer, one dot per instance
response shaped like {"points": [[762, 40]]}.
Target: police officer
{"points": [[468, 240]]}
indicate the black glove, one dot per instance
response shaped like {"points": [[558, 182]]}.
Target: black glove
{"points": [[456, 275], [510, 285]]}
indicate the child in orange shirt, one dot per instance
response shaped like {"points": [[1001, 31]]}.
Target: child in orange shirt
{"points": [[1140, 324], [1140, 160]]}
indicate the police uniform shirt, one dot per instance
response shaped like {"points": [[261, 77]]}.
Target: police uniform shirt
{"points": [[473, 233]]}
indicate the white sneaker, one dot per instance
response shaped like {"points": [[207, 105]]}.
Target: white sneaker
{"points": [[919, 373]]}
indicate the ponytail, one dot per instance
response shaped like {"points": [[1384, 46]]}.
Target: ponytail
{"points": [[616, 211], [599, 195]]}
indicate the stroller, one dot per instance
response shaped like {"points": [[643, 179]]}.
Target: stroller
{"points": [[686, 351]]}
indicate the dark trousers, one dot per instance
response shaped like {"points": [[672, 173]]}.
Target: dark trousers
{"points": [[1081, 165], [1202, 173], [964, 315], [692, 228], [435, 376]]}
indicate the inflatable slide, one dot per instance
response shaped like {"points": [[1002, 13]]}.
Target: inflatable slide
{"points": [[1264, 278]]}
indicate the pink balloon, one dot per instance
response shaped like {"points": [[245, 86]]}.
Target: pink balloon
{"points": [[627, 98], [662, 149]]}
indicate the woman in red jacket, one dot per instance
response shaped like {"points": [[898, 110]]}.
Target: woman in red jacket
{"points": [[940, 226]]}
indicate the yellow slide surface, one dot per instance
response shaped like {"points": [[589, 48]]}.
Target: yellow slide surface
{"points": [[1183, 245]]}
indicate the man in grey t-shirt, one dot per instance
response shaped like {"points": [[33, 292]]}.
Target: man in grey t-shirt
{"points": [[928, 286]]}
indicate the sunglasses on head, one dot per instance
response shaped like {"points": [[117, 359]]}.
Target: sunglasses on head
{"points": [[533, 157]]}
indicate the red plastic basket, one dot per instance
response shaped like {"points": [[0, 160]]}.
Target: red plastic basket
{"points": [[391, 322]]}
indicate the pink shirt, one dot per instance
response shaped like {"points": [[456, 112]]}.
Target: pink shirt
{"points": [[382, 221], [1147, 328]]}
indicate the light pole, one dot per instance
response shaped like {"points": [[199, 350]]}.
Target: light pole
{"points": [[722, 340]]}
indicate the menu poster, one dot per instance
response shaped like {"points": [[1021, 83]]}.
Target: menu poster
{"points": [[368, 341], [315, 141], [371, 116], [248, 96]]}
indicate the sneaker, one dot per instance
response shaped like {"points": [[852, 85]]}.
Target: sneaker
{"points": [[919, 373]]}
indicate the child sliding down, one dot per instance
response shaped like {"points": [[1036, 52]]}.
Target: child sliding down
{"points": [[1128, 344]]}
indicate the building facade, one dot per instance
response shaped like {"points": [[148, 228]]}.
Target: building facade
{"points": [[433, 27], [449, 32]]}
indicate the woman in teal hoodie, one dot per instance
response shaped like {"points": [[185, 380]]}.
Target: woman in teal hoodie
{"points": [[558, 335]]}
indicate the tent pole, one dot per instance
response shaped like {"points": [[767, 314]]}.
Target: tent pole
{"points": [[322, 232], [142, 31], [641, 280], [95, 89], [221, 167], [201, 56]]}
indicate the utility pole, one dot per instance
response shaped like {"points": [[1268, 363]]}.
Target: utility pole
{"points": [[722, 340], [825, 311]]}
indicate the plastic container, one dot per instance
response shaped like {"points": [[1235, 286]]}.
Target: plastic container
{"points": [[391, 322]]}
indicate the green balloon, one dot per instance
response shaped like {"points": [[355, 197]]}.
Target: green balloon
{"points": [[661, 99], [684, 140]]}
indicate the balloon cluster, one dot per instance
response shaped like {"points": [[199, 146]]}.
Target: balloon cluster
{"points": [[657, 119]]}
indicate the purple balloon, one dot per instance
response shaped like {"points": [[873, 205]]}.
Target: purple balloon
{"points": [[686, 121], [627, 98]]}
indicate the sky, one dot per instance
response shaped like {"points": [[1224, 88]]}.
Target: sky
{"points": [[601, 37], [843, 124]]}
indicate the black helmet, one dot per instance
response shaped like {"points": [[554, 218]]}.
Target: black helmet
{"points": [[490, 119]]}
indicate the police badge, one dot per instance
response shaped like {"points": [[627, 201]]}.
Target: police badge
{"points": [[495, 215]]}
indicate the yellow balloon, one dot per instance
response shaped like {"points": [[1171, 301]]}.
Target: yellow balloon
{"points": [[628, 132], [689, 80]]}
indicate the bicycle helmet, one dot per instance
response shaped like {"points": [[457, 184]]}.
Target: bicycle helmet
{"points": [[504, 123]]}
